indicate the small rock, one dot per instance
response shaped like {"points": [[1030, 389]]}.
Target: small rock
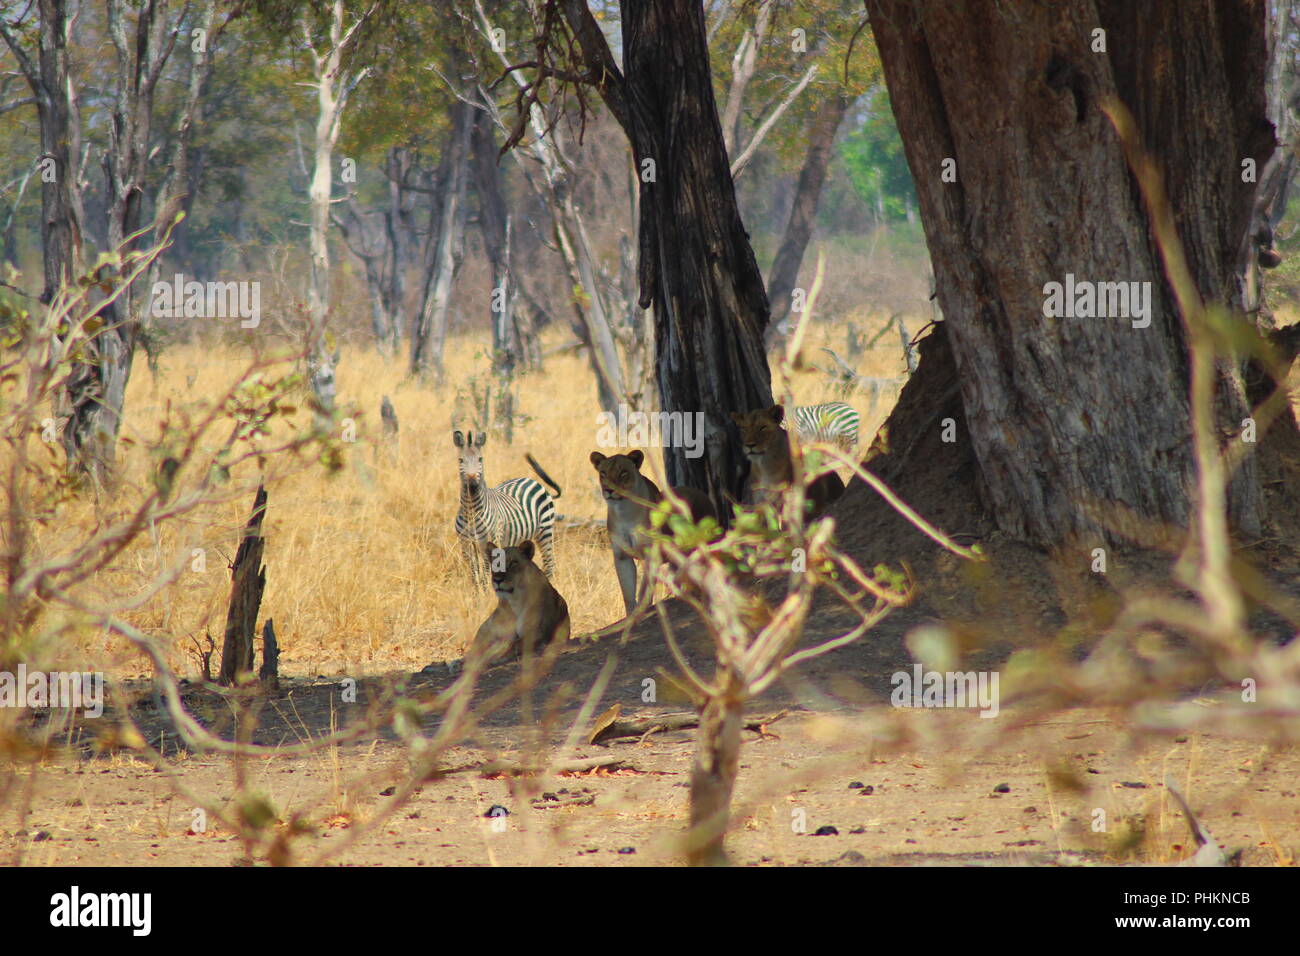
{"points": [[551, 797], [867, 791], [827, 830], [625, 850], [1002, 788], [1132, 785], [387, 791], [856, 785]]}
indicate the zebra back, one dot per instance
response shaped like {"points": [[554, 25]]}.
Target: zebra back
{"points": [[512, 512], [833, 422]]}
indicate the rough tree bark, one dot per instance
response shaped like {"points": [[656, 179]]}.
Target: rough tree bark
{"points": [[696, 266], [1077, 423], [783, 275], [248, 581]]}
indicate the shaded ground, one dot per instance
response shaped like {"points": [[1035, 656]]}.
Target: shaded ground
{"points": [[924, 804]]}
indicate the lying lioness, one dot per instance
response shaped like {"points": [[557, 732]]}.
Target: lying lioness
{"points": [[530, 613], [771, 468], [629, 496]]}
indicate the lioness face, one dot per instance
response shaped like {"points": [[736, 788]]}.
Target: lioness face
{"points": [[508, 566], [759, 428], [618, 473]]}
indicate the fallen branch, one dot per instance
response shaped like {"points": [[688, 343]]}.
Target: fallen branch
{"points": [[510, 768], [660, 723]]}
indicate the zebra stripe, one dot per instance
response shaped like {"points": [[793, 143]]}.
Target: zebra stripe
{"points": [[507, 515], [832, 422]]}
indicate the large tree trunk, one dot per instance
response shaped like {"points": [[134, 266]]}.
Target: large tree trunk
{"points": [[445, 246], [784, 273], [696, 264], [1076, 423]]}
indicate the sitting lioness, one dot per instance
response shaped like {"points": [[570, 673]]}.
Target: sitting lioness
{"points": [[629, 496], [771, 469], [530, 613]]}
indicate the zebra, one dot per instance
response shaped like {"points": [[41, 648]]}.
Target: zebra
{"points": [[514, 511], [831, 422]]}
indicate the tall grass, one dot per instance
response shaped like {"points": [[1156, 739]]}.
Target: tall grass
{"points": [[364, 569]]}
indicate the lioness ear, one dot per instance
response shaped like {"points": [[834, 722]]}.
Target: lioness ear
{"points": [[458, 438], [489, 547], [597, 458], [738, 417], [637, 456], [527, 549], [776, 413]]}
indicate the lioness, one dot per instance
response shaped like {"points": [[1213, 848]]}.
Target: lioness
{"points": [[529, 612], [771, 469], [629, 496]]}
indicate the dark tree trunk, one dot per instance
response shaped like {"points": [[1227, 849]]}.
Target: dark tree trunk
{"points": [[1078, 422], [248, 580], [783, 275], [696, 265], [445, 245]]}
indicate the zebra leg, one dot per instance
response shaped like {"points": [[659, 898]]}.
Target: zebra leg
{"points": [[478, 569], [546, 538]]}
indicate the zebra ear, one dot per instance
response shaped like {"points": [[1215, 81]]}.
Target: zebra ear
{"points": [[458, 438], [637, 456], [480, 439], [527, 549], [597, 458], [776, 413]]}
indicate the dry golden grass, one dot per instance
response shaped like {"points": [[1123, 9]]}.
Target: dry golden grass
{"points": [[364, 569]]}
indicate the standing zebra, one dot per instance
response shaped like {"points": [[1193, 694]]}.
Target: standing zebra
{"points": [[832, 422], [514, 511]]}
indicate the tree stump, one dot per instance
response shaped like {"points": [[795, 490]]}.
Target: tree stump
{"points": [[248, 579], [270, 672], [388, 415]]}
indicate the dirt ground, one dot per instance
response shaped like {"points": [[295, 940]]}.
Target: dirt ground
{"points": [[897, 787]]}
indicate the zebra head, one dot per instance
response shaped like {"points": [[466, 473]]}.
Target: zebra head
{"points": [[469, 448]]}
